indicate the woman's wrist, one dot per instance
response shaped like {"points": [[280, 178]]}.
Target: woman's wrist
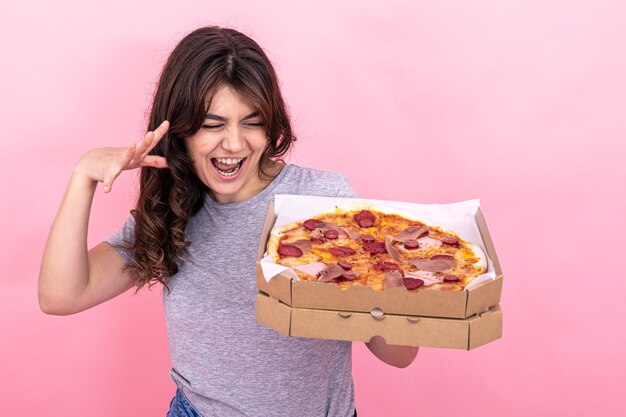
{"points": [[81, 179]]}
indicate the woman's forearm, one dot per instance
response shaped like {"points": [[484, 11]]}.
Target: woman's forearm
{"points": [[64, 267]]}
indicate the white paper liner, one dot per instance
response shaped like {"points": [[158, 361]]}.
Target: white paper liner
{"points": [[457, 217]]}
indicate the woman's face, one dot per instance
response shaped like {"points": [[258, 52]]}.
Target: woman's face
{"points": [[227, 149]]}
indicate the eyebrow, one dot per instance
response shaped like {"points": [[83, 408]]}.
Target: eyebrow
{"points": [[223, 119]]}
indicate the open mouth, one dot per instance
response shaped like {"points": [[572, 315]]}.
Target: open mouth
{"points": [[227, 166]]}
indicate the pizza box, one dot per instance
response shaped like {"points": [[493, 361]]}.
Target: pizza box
{"points": [[401, 330], [357, 298]]}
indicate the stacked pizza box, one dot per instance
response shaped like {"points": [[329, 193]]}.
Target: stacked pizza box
{"points": [[450, 319]]}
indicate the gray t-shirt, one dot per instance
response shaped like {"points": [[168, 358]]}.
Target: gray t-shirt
{"points": [[225, 362]]}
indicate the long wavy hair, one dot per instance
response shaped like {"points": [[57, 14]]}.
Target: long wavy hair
{"points": [[202, 62]]}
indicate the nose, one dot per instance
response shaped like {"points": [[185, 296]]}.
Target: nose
{"points": [[233, 142]]}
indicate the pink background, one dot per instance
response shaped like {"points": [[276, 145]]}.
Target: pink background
{"points": [[524, 101]]}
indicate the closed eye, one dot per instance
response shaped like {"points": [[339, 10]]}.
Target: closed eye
{"points": [[217, 126]]}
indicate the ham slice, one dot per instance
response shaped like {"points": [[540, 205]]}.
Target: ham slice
{"points": [[391, 249], [426, 242], [411, 233], [393, 279], [312, 268], [332, 271], [303, 244], [429, 278], [351, 234], [325, 226], [436, 263]]}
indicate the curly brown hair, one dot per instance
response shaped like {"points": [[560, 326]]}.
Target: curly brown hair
{"points": [[202, 62]]}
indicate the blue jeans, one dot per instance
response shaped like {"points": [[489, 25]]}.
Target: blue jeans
{"points": [[181, 407]]}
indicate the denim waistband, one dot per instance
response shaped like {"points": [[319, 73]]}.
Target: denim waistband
{"points": [[181, 407]]}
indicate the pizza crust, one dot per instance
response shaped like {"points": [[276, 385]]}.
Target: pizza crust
{"points": [[481, 265], [272, 246], [384, 210]]}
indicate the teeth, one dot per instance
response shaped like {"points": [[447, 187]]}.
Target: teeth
{"points": [[229, 161], [228, 174]]}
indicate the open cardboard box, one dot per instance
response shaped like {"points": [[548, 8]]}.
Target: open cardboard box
{"points": [[445, 319], [424, 302]]}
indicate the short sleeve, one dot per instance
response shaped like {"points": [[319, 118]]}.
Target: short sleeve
{"points": [[345, 189], [124, 235]]}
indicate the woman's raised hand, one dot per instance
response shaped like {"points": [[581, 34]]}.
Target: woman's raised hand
{"points": [[105, 164]]}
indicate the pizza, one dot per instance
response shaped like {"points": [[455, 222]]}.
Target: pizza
{"points": [[376, 246]]}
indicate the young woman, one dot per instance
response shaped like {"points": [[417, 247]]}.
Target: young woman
{"points": [[210, 164]]}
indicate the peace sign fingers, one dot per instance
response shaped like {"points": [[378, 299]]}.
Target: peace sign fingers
{"points": [[154, 161], [145, 145]]}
